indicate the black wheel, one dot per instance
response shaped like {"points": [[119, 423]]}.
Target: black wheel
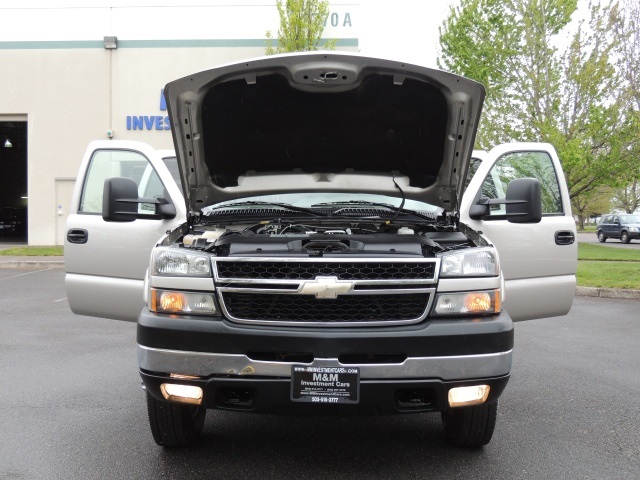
{"points": [[624, 238], [470, 426], [175, 425], [601, 237]]}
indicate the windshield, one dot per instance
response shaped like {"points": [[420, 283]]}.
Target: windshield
{"points": [[630, 218], [306, 200]]}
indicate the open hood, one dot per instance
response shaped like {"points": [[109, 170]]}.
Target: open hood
{"points": [[323, 121]]}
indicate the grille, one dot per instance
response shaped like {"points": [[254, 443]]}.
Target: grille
{"points": [[307, 308], [268, 270]]}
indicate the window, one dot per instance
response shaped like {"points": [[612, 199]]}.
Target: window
{"points": [[119, 163], [524, 165], [473, 168]]}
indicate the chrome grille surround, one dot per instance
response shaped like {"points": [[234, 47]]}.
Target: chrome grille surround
{"points": [[375, 278]]}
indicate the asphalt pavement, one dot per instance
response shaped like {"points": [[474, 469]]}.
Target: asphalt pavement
{"points": [[71, 407]]}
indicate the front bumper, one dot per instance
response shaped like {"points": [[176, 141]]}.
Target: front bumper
{"points": [[272, 395], [402, 368], [199, 364], [445, 337]]}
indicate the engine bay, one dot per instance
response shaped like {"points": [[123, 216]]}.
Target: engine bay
{"points": [[295, 239]]}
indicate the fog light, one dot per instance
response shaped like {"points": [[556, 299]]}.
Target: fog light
{"points": [[467, 396], [181, 393]]}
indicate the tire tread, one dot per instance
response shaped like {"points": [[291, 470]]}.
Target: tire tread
{"points": [[174, 425], [470, 426]]}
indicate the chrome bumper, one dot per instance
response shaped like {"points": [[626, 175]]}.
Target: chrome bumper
{"points": [[206, 364]]}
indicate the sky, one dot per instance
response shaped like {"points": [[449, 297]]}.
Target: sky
{"points": [[405, 30]]}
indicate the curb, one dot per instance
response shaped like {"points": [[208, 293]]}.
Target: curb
{"points": [[32, 264], [608, 293]]}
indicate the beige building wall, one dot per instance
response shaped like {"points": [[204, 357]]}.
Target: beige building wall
{"points": [[59, 91]]}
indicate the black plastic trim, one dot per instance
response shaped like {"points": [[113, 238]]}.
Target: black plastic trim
{"points": [[77, 235], [441, 337], [272, 395]]}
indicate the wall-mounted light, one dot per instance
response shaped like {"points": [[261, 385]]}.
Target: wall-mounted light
{"points": [[8, 144], [110, 43]]}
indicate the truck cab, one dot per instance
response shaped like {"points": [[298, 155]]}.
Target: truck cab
{"points": [[325, 248]]}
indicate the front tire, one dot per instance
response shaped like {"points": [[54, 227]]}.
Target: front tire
{"points": [[175, 425], [470, 426], [624, 238], [601, 237]]}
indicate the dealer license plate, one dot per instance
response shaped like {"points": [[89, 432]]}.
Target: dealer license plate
{"points": [[325, 384]]}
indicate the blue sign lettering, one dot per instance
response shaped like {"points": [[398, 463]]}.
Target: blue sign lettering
{"points": [[163, 102], [148, 122]]}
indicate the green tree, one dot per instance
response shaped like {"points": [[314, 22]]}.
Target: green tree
{"points": [[301, 25], [535, 92], [628, 197], [479, 40], [594, 203]]}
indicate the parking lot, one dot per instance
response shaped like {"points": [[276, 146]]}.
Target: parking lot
{"points": [[590, 237], [71, 407]]}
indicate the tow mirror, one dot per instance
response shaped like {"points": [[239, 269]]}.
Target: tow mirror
{"points": [[523, 203], [120, 202]]}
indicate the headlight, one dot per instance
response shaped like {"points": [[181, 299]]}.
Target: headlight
{"points": [[473, 262], [633, 229], [171, 262], [468, 303], [194, 303]]}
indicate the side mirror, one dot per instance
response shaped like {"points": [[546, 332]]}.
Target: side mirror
{"points": [[120, 202], [524, 201], [165, 209]]}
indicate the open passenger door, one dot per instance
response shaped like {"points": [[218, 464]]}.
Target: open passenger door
{"points": [[538, 260]]}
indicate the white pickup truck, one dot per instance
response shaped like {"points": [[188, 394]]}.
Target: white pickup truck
{"points": [[322, 246]]}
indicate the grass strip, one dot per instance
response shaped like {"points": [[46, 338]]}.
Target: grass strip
{"points": [[587, 251], [33, 251], [624, 275]]}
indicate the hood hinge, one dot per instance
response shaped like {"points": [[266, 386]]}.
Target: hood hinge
{"points": [[192, 218]]}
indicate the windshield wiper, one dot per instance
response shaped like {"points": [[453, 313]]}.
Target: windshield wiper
{"points": [[375, 204], [286, 206]]}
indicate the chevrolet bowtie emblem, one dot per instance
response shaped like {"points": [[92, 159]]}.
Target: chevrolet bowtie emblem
{"points": [[325, 287]]}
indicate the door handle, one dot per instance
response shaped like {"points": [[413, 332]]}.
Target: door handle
{"points": [[565, 237], [77, 235]]}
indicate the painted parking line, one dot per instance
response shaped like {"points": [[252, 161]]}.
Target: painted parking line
{"points": [[26, 273]]}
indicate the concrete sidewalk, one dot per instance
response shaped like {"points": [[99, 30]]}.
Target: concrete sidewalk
{"points": [[31, 262], [608, 293]]}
